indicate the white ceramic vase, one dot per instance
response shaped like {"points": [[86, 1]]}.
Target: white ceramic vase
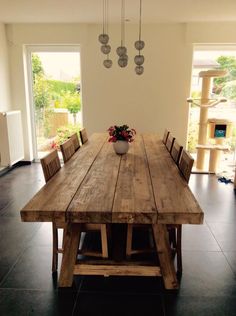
{"points": [[121, 147]]}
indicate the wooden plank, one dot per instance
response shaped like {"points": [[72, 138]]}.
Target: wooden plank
{"points": [[107, 270], [94, 199], [164, 254], [174, 200], [51, 202], [134, 200], [71, 244]]}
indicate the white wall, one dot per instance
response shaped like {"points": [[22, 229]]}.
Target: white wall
{"points": [[150, 102], [5, 99]]}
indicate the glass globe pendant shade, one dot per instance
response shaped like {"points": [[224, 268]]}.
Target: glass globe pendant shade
{"points": [[103, 38], [121, 50], [139, 44], [105, 49], [107, 63], [139, 70], [125, 57], [139, 60], [123, 61]]}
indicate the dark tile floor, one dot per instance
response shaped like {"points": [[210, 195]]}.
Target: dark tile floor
{"points": [[208, 284]]}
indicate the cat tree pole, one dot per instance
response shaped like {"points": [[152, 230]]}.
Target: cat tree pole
{"points": [[205, 103]]}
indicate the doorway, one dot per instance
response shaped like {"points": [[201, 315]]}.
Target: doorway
{"points": [[208, 58], [55, 95]]}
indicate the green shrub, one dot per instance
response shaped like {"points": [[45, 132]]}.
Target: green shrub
{"points": [[58, 87], [63, 133], [192, 133]]}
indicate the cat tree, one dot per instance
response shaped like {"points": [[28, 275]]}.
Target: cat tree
{"points": [[219, 130]]}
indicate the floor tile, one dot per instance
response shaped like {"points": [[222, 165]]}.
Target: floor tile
{"points": [[217, 215], [4, 271], [217, 200], [231, 257], [89, 304], [206, 274], [37, 303], [43, 236], [225, 234], [199, 306], [198, 237], [13, 238], [18, 187], [4, 202], [32, 270]]}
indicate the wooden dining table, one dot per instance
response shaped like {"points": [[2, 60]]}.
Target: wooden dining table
{"points": [[143, 186]]}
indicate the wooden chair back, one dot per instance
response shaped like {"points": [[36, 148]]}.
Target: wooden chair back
{"points": [[186, 164], [74, 137], [166, 134], [169, 142], [50, 165], [83, 136], [67, 149], [176, 151]]}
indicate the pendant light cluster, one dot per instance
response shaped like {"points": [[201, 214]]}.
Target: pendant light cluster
{"points": [[121, 50]]}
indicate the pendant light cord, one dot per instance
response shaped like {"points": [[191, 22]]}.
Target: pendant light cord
{"points": [[103, 16], [106, 15], [122, 22], [140, 18], [107, 7]]}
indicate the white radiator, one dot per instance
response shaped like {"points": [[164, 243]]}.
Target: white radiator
{"points": [[11, 138]]}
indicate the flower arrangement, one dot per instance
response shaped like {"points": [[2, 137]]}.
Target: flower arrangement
{"points": [[121, 133]]}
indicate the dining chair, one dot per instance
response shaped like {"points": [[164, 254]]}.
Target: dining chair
{"points": [[103, 230], [129, 239], [51, 165], [75, 139], [176, 152], [235, 180], [186, 164], [67, 149], [175, 231], [83, 136], [169, 142], [165, 136]]}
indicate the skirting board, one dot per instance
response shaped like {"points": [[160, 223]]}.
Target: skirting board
{"points": [[4, 170]]}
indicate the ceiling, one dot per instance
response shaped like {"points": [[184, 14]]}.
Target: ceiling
{"points": [[90, 11]]}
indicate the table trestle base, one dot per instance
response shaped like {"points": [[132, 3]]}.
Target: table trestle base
{"points": [[115, 269]]}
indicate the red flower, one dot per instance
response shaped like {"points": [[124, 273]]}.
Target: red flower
{"points": [[112, 139], [121, 133], [53, 145]]}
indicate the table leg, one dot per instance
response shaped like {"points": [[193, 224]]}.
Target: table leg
{"points": [[71, 243], [164, 254]]}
